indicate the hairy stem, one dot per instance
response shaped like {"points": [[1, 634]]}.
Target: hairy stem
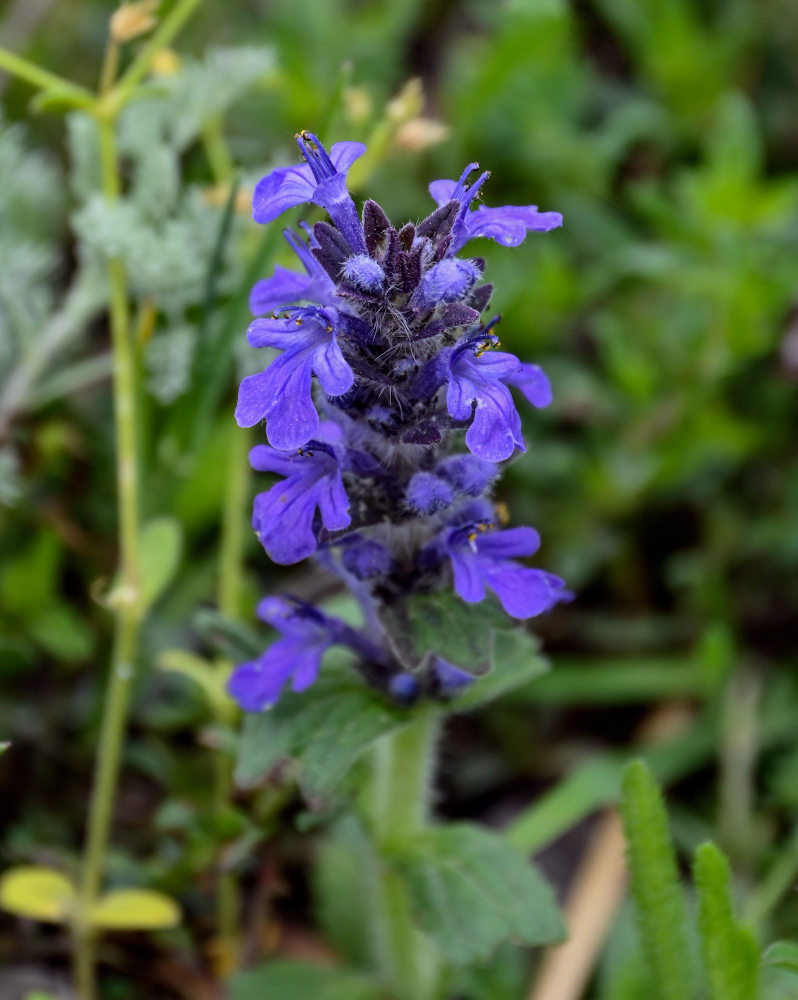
{"points": [[402, 781], [126, 597]]}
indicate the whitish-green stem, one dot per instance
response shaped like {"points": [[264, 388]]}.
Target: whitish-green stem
{"points": [[126, 595], [229, 597], [738, 753], [403, 771]]}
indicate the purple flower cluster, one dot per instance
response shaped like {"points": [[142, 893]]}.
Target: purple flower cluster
{"points": [[385, 370]]}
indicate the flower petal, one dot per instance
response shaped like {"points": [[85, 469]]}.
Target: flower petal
{"points": [[280, 190], [333, 502], [442, 191], [533, 383], [283, 520], [252, 400], [282, 289], [332, 369], [509, 544], [291, 417], [467, 577], [495, 432], [523, 592], [344, 154]]}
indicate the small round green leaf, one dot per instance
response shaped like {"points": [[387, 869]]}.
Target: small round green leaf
{"points": [[37, 893], [135, 910]]}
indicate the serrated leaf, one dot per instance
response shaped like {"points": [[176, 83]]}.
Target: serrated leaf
{"points": [[517, 661], [159, 552], [290, 980], [472, 892], [442, 624], [135, 910], [326, 728], [782, 955], [37, 893]]}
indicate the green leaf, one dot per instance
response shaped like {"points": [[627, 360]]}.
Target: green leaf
{"points": [[135, 910], [160, 549], [471, 892], [730, 953], [516, 662], [211, 679], [442, 624], [37, 893], [231, 639], [4, 747], [290, 980], [782, 955], [657, 893], [60, 100], [326, 728]]}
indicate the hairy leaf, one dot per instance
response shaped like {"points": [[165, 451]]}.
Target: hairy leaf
{"points": [[472, 892]]}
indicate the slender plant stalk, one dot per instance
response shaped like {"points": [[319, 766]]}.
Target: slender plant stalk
{"points": [[402, 782], [231, 563], [126, 597], [41, 78], [229, 599]]}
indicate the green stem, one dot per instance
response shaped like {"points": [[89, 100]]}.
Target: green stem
{"points": [[402, 780], [41, 78], [229, 598], [126, 597]]}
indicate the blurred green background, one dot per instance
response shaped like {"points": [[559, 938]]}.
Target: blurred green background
{"points": [[663, 479]]}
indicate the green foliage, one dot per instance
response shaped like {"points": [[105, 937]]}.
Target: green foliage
{"points": [[327, 728], [471, 892], [731, 955], [655, 886], [782, 955], [444, 625], [289, 980]]}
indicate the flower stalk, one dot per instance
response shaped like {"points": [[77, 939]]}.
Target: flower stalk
{"points": [[403, 772], [126, 597]]}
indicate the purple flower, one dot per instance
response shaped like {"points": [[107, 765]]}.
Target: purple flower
{"points": [[451, 679], [467, 474], [321, 179], [479, 374], [365, 559], [283, 517], [482, 558], [507, 225], [286, 287], [282, 394], [447, 281], [305, 635], [426, 493]]}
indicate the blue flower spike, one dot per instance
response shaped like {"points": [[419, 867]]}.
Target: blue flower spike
{"points": [[389, 409]]}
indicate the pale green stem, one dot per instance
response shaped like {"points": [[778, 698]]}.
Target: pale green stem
{"points": [[231, 564], [126, 595], [229, 598], [738, 753], [400, 800], [41, 78]]}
